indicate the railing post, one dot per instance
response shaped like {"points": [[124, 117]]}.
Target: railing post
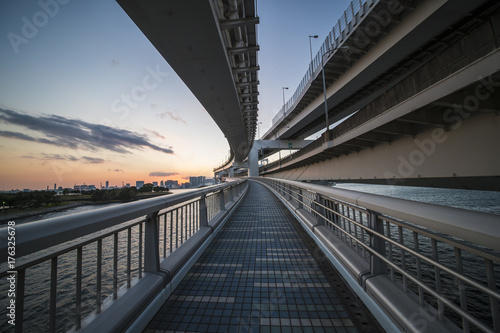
{"points": [[221, 200], [289, 192], [151, 244], [300, 200], [377, 265], [320, 219], [203, 211]]}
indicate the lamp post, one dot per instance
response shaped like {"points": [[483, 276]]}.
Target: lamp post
{"points": [[283, 88], [343, 48], [310, 46]]}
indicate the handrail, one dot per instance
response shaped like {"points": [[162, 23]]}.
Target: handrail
{"points": [[409, 257], [455, 222], [146, 242], [55, 231]]}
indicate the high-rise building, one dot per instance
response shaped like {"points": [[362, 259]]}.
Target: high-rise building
{"points": [[139, 184], [107, 184], [155, 184]]}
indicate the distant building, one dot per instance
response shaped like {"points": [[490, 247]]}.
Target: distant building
{"points": [[127, 185], [155, 184], [161, 183], [197, 181], [139, 184], [107, 184]]}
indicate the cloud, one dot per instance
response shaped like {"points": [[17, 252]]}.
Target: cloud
{"points": [[59, 157], [93, 160], [168, 114], [114, 62], [115, 170], [158, 135], [76, 134], [16, 135], [162, 174]]}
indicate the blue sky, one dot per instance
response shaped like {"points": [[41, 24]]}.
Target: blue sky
{"points": [[68, 70]]}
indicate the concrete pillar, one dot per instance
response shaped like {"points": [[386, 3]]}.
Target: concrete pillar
{"points": [[253, 161], [231, 172]]}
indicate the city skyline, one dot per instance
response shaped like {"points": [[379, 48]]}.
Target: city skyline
{"points": [[106, 184], [84, 96]]}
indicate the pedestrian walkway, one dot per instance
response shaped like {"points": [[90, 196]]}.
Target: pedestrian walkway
{"points": [[257, 275]]}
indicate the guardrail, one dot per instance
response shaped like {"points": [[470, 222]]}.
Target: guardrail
{"points": [[108, 264], [431, 268], [344, 26]]}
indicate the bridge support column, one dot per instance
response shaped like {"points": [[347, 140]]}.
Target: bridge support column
{"points": [[231, 172], [253, 159]]}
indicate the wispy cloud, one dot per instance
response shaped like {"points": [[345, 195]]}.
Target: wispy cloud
{"points": [[170, 115], [162, 174], [71, 158], [93, 160], [74, 134], [158, 135]]}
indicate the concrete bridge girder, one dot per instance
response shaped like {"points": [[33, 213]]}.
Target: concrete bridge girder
{"points": [[464, 157]]}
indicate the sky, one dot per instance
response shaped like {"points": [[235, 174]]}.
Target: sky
{"points": [[85, 98]]}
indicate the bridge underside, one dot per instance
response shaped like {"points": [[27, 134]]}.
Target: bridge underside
{"points": [[212, 47], [439, 126], [449, 142]]}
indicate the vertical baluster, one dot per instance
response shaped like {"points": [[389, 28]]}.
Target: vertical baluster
{"points": [[495, 311], [363, 234], [78, 296], [129, 257], [437, 276], [53, 294], [176, 228], [171, 231], [416, 247], [403, 258], [389, 245], [98, 296], [182, 224], [21, 277], [461, 288], [349, 224], [164, 235], [190, 219], [356, 218], [115, 266], [140, 250]]}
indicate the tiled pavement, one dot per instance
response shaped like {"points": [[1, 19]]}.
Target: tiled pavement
{"points": [[257, 275]]}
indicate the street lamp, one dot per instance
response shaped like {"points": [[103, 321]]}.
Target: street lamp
{"points": [[310, 47], [343, 48], [283, 88]]}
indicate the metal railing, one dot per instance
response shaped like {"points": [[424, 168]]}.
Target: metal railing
{"points": [[343, 27], [445, 261], [77, 266]]}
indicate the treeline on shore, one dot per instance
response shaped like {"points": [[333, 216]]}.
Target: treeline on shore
{"points": [[38, 199]]}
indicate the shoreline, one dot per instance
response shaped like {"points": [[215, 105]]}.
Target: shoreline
{"points": [[5, 217]]}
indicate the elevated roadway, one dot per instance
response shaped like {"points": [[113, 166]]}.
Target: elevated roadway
{"points": [[212, 46], [422, 95]]}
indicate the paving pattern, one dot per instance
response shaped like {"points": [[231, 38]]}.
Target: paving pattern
{"points": [[257, 275]]}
